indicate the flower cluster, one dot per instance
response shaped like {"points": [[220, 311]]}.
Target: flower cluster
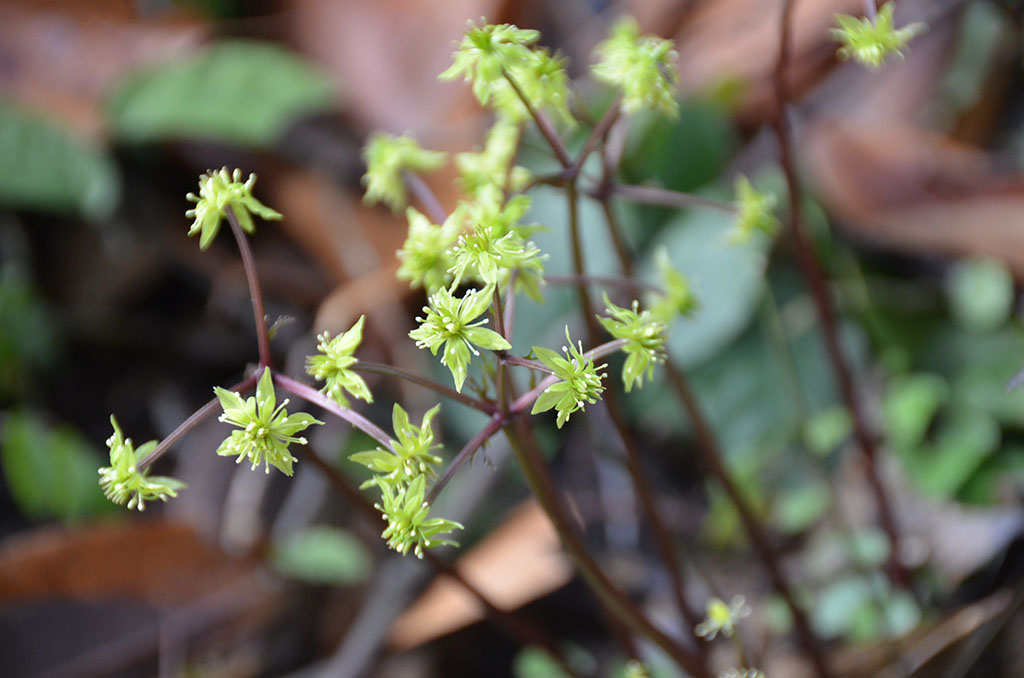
{"points": [[386, 157], [645, 340], [333, 365], [754, 212], [449, 322], [871, 42], [641, 66], [220, 191], [266, 428], [123, 483], [492, 168], [409, 523], [492, 57], [722, 618], [412, 453], [425, 257], [579, 381], [677, 298]]}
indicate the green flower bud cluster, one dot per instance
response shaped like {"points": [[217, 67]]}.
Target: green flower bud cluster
{"points": [[401, 477], [579, 381], [755, 212], [451, 323], [220, 191], [645, 340], [492, 168], [386, 157], [265, 428], [123, 483], [677, 297], [641, 66], [333, 365], [492, 57], [871, 42], [425, 257]]}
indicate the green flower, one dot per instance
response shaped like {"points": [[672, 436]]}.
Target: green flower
{"points": [[485, 53], [643, 67], [412, 454], [266, 428], [218, 192], [386, 157], [123, 483], [580, 381], [424, 256], [722, 618], [333, 365], [492, 169], [754, 212], [871, 43], [645, 340], [409, 524], [678, 298], [449, 323]]}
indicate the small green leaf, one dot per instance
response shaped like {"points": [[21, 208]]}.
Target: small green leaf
{"points": [[534, 662], [826, 430], [909, 407], [800, 507], [322, 555], [239, 91], [980, 294], [43, 167], [51, 472]]}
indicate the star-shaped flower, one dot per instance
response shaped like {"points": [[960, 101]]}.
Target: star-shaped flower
{"points": [[409, 524], [722, 618], [645, 340], [266, 428], [449, 322], [642, 66], [413, 450], [386, 157], [754, 212], [220, 191], [332, 365], [123, 483], [871, 42], [580, 381]]}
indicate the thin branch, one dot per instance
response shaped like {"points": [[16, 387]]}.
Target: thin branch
{"points": [[492, 427], [424, 196], [314, 396], [194, 420], [619, 606], [547, 130], [598, 133], [510, 359], [259, 314], [815, 280], [425, 382], [871, 11], [652, 195]]}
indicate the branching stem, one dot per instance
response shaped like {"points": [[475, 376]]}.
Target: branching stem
{"points": [[259, 314]]}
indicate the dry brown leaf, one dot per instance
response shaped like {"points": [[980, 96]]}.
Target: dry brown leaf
{"points": [[518, 562], [900, 187], [155, 561]]}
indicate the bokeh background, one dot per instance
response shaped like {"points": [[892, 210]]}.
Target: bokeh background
{"points": [[110, 109]]}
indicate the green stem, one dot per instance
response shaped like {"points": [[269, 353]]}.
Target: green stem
{"points": [[249, 264], [194, 420]]}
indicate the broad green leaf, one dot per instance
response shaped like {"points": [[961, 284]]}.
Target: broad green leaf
{"points": [[44, 167], [322, 555], [51, 473], [242, 92]]}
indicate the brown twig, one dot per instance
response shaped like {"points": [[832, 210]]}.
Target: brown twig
{"points": [[249, 265]]}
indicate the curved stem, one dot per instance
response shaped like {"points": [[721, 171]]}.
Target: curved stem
{"points": [[425, 382], [543, 124], [259, 314], [310, 394], [509, 359], [599, 132], [194, 420]]}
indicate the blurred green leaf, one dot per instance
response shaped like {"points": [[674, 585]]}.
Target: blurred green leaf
{"points": [[51, 472], [242, 92], [980, 294], [868, 547], [798, 508], [827, 429], [27, 337], [839, 607], [322, 555], [962, 445], [534, 662], [44, 167], [910, 405]]}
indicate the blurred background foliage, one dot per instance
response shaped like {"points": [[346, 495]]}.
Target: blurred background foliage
{"points": [[109, 111]]}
